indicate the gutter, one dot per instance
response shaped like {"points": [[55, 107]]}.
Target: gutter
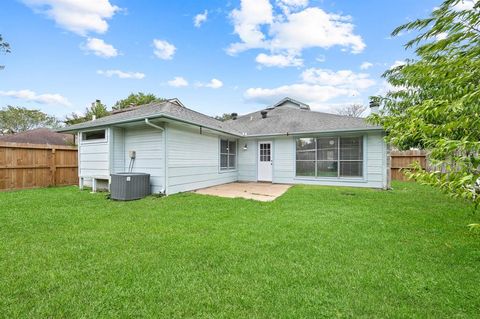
{"points": [[314, 132]]}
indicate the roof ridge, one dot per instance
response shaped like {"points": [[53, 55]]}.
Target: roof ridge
{"points": [[293, 109]]}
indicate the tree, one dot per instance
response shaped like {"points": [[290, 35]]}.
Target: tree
{"points": [[136, 99], [97, 109], [19, 119], [353, 110], [5, 48], [434, 102], [224, 117]]}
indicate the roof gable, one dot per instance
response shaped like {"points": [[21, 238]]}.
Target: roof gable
{"points": [[291, 103]]}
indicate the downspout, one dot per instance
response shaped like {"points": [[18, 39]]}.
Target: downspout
{"points": [[147, 122]]}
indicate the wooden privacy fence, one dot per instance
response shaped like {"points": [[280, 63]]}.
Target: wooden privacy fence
{"points": [[403, 159], [37, 165]]}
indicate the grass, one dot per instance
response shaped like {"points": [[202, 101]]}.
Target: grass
{"points": [[314, 252]]}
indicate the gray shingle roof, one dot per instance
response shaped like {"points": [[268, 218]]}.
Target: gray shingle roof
{"points": [[282, 120], [279, 120], [39, 136], [153, 110]]}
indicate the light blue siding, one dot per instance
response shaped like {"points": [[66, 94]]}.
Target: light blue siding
{"points": [[284, 163], [193, 160], [283, 160], [147, 142], [117, 150], [247, 161], [94, 158], [375, 163]]}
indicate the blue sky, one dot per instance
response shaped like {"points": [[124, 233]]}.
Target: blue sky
{"points": [[239, 57]]}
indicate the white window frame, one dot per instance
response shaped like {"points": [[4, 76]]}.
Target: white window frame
{"points": [[338, 160], [228, 154], [99, 140]]}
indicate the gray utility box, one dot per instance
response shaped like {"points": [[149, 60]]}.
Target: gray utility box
{"points": [[129, 186]]}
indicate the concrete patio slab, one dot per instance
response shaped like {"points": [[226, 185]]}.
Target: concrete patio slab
{"points": [[264, 192]]}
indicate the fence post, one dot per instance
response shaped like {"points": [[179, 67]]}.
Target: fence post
{"points": [[53, 167]]}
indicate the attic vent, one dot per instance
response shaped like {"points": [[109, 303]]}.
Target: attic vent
{"points": [[234, 116], [264, 114]]}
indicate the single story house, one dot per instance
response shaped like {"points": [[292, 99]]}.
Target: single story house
{"points": [[185, 150]]}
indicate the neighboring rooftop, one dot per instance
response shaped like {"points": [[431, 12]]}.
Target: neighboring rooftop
{"points": [[285, 117], [39, 136]]}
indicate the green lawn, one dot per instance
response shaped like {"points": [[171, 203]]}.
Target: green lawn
{"points": [[314, 252]]}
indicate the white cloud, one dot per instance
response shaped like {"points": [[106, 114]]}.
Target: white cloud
{"points": [[78, 16], [278, 60], [200, 18], [163, 50], [291, 5], [342, 78], [397, 63], [464, 5], [214, 84], [247, 22], [31, 96], [366, 65], [100, 48], [385, 87], [311, 94], [177, 82], [441, 36], [317, 86], [314, 27], [297, 28], [122, 74]]}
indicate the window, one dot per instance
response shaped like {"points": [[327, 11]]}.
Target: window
{"points": [[329, 157], [228, 154], [265, 152], [93, 135]]}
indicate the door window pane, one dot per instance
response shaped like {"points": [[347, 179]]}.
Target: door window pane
{"points": [[265, 152]]}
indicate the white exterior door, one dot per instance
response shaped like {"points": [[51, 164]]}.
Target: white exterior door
{"points": [[265, 161]]}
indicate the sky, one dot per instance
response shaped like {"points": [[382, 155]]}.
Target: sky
{"points": [[215, 56]]}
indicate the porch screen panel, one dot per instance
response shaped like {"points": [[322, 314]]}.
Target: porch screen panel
{"points": [[329, 157], [305, 162], [351, 156]]}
